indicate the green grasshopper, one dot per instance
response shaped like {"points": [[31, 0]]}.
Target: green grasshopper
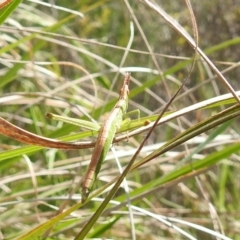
{"points": [[105, 138]]}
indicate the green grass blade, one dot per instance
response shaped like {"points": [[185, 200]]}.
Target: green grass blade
{"points": [[8, 10]]}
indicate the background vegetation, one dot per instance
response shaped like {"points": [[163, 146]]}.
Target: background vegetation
{"points": [[70, 61]]}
